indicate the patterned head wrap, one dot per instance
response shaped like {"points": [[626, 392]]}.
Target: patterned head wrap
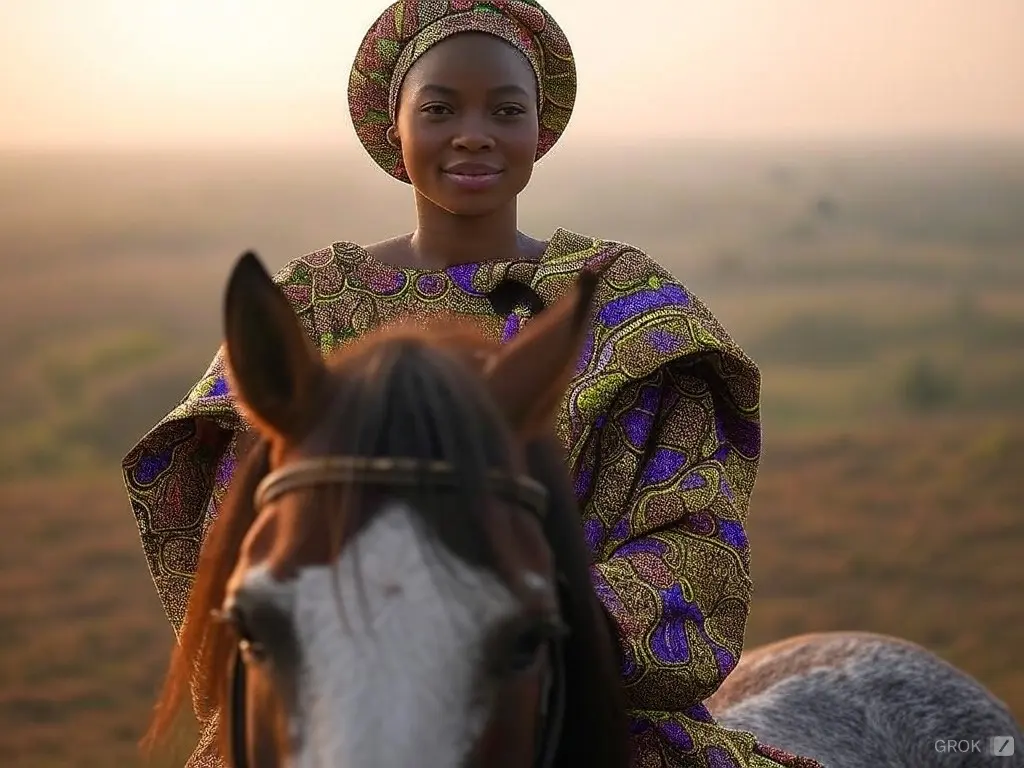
{"points": [[407, 29]]}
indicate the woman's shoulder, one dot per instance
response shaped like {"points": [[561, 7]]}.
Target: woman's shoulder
{"points": [[643, 281], [646, 317], [338, 256], [619, 259], [318, 275]]}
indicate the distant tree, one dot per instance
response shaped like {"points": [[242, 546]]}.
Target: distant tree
{"points": [[826, 207], [924, 387]]}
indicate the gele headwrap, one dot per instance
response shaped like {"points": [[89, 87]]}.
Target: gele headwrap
{"points": [[408, 28]]}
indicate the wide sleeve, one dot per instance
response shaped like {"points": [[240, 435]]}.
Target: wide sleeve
{"points": [[665, 482], [177, 474]]}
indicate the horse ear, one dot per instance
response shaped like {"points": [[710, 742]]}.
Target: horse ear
{"points": [[271, 363], [528, 376]]}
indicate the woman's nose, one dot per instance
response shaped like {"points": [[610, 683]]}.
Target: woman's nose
{"points": [[472, 135]]}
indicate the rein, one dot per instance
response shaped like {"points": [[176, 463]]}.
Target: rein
{"points": [[520, 490]]}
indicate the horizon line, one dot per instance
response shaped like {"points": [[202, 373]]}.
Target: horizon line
{"points": [[318, 146]]}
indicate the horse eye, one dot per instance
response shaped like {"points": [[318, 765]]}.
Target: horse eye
{"points": [[251, 650], [252, 653], [528, 642], [524, 651]]}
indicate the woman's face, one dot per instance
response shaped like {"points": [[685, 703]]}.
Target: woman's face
{"points": [[467, 124]]}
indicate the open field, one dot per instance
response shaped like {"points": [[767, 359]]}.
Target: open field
{"points": [[916, 533], [881, 290]]}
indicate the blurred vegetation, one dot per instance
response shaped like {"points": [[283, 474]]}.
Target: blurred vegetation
{"points": [[925, 388], [881, 289], [864, 282]]}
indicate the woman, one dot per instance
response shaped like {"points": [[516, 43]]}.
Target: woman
{"points": [[459, 99]]}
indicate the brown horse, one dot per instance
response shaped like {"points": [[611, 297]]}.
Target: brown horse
{"points": [[400, 568]]}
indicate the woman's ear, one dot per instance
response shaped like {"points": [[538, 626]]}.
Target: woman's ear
{"points": [[393, 138]]}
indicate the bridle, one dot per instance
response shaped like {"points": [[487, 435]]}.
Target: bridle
{"points": [[386, 473], [520, 490]]}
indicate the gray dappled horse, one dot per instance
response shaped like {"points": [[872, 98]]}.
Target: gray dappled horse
{"points": [[404, 581], [861, 700]]}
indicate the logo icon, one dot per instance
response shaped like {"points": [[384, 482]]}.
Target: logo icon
{"points": [[1001, 746]]}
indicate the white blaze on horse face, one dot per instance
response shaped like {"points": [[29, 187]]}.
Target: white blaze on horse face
{"points": [[393, 676]]}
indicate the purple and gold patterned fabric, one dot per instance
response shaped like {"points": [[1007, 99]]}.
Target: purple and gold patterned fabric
{"points": [[661, 425], [409, 28]]}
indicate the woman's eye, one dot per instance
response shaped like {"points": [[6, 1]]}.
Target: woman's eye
{"points": [[510, 110], [435, 109]]}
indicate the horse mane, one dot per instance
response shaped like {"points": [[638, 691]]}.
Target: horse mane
{"points": [[410, 392], [596, 729]]}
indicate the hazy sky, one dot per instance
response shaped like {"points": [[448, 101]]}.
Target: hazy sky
{"points": [[142, 72]]}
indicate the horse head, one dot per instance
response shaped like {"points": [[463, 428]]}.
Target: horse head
{"points": [[399, 571]]}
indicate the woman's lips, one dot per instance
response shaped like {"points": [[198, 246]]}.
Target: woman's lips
{"points": [[473, 178]]}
